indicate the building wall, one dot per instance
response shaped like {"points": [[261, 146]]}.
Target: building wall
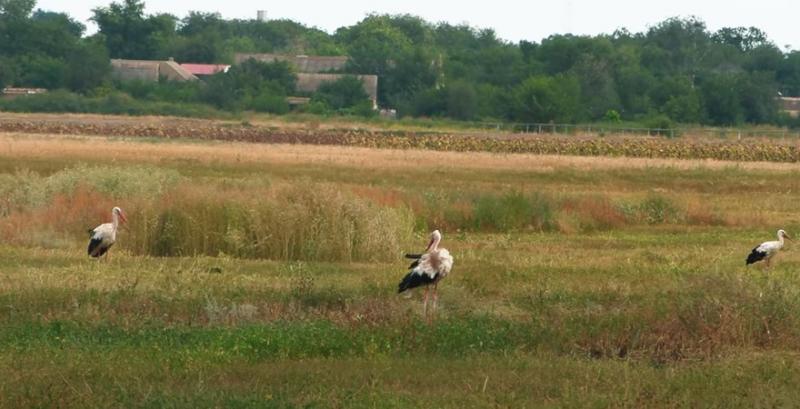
{"points": [[310, 82], [313, 71], [304, 63], [173, 71], [791, 105], [12, 92], [144, 70]]}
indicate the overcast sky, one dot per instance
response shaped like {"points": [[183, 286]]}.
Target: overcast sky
{"points": [[512, 20]]}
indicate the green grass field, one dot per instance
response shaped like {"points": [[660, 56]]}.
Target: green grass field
{"points": [[265, 276]]}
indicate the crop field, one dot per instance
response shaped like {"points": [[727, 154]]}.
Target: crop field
{"points": [[256, 275], [728, 146]]}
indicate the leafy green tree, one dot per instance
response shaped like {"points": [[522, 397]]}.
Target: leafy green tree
{"points": [[462, 100], [559, 53], [757, 93], [8, 73], [201, 38], [251, 79], [494, 102], [676, 46], [345, 92], [677, 69], [16, 9], [788, 75], [41, 71], [546, 99], [414, 70], [428, 102], [87, 66], [598, 89], [129, 34], [721, 98], [744, 39], [373, 45], [685, 108]]}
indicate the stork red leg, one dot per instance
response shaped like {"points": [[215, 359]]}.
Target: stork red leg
{"points": [[425, 302], [435, 295]]}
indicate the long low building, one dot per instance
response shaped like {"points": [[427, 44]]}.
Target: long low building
{"points": [[149, 70], [791, 105], [314, 70], [309, 82], [14, 92], [303, 63]]}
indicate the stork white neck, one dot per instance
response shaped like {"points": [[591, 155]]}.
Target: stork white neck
{"points": [[436, 237], [114, 221]]}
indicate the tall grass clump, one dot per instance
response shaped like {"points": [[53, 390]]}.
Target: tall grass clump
{"points": [[53, 211], [654, 209], [513, 211], [26, 189], [534, 211], [510, 211], [590, 213], [311, 223]]}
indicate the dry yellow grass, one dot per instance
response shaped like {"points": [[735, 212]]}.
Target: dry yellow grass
{"points": [[91, 147]]}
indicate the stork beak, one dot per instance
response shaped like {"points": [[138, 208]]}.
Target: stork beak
{"points": [[786, 236], [122, 217], [430, 244]]}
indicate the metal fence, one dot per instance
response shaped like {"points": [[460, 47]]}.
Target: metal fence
{"points": [[574, 129]]}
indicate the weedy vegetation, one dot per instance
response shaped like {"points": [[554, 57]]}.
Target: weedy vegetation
{"points": [[265, 276]]}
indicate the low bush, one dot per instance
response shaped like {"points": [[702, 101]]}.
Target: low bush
{"points": [[115, 103]]}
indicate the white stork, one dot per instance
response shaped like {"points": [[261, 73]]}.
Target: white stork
{"points": [[104, 235], [428, 268], [768, 249]]}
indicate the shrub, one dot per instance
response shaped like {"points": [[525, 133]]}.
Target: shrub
{"points": [[612, 116], [659, 121], [112, 103], [346, 92], [266, 102], [55, 101], [654, 209]]}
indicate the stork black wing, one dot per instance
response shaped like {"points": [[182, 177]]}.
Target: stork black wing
{"points": [[755, 256], [414, 257], [96, 248], [412, 280]]}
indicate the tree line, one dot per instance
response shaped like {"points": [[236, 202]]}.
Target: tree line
{"points": [[676, 71]]}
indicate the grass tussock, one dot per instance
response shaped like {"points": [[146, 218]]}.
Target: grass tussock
{"points": [[247, 219], [256, 218], [315, 222], [25, 189], [516, 211]]}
